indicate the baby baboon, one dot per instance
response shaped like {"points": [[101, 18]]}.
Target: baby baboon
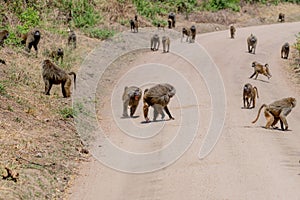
{"points": [[232, 31], [285, 49], [54, 75], [249, 95], [159, 94], [57, 54], [171, 20], [155, 42], [193, 33], [72, 38], [261, 69], [131, 98], [281, 17], [252, 42], [187, 32], [166, 43], [32, 38], [3, 36], [278, 110]]}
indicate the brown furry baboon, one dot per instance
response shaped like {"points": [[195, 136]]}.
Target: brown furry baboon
{"points": [[72, 38], [166, 43], [159, 26], [134, 24], [54, 75], [158, 97], [57, 54], [260, 69], [187, 32], [249, 95], [278, 110], [281, 17], [252, 42], [285, 49], [232, 31], [3, 62], [3, 36], [31, 39], [193, 33], [171, 20], [131, 98], [154, 42]]}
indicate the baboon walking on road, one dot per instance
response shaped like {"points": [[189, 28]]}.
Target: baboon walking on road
{"points": [[285, 49], [260, 69], [251, 42], [155, 42], [166, 43], [249, 95], [232, 31], [131, 98]]}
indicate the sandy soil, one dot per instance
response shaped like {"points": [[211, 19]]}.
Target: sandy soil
{"points": [[247, 162]]}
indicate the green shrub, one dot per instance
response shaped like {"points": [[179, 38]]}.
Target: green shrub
{"points": [[2, 89], [99, 33], [67, 112], [215, 5]]}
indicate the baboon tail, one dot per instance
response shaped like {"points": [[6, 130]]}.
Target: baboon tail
{"points": [[73, 73], [255, 88], [264, 105]]}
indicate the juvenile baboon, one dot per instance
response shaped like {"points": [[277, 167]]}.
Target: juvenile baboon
{"points": [[159, 26], [249, 95], [285, 49], [252, 42], [31, 39], [232, 31], [193, 33], [57, 54], [159, 94], [131, 98], [72, 38], [166, 43], [134, 26], [54, 75], [3, 36], [3, 62], [187, 32], [261, 69], [278, 110], [155, 42], [171, 20], [281, 17]]}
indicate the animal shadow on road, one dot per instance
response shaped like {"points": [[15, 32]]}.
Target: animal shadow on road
{"points": [[137, 116], [264, 128]]}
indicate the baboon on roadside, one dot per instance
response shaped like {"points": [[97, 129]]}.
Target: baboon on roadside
{"points": [[260, 69], [193, 33], [159, 94], [249, 95], [54, 75], [252, 42], [3, 36], [187, 32], [159, 25], [72, 38], [57, 54], [285, 49], [232, 31], [155, 42], [281, 17], [278, 110], [131, 98], [3, 62], [31, 39], [134, 26], [171, 20], [166, 43]]}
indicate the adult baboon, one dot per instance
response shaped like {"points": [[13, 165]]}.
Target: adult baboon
{"points": [[134, 25], [187, 32], [3, 36], [252, 42], [278, 110], [159, 94], [54, 75], [31, 39], [155, 42], [166, 43], [171, 20], [232, 31], [281, 17], [72, 38], [131, 98], [249, 95], [285, 49], [57, 54], [193, 33], [260, 69]]}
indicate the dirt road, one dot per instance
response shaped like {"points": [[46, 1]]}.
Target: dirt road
{"points": [[247, 162]]}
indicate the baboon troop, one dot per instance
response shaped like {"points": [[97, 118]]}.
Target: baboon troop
{"points": [[72, 38], [166, 43], [260, 69], [54, 75], [131, 98], [154, 43], [171, 20], [249, 95], [285, 49], [232, 31], [277, 111], [31, 39], [281, 17], [3, 36], [158, 97], [57, 54], [252, 42]]}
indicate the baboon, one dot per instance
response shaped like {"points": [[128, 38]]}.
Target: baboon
{"points": [[155, 42], [72, 38], [249, 95], [193, 33], [159, 94], [166, 43], [57, 54], [3, 36], [232, 31], [187, 32], [171, 20], [159, 25], [260, 69], [32, 38], [131, 98], [3, 62], [252, 42], [278, 110], [134, 26], [54, 75], [285, 49], [281, 17]]}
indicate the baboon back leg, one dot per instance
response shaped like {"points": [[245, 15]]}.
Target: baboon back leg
{"points": [[252, 75], [168, 112], [125, 107], [270, 119], [146, 109], [48, 87], [132, 110]]}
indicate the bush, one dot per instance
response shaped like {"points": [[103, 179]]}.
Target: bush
{"points": [[215, 5], [67, 112], [99, 33]]}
